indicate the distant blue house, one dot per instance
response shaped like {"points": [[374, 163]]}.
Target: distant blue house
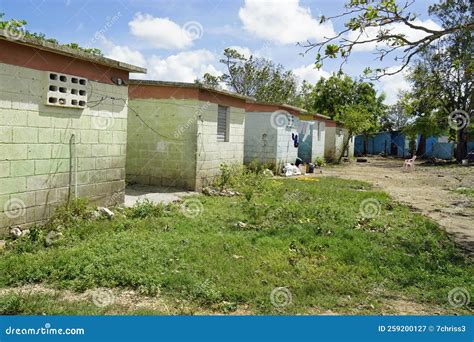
{"points": [[398, 144], [430, 142], [388, 143]]}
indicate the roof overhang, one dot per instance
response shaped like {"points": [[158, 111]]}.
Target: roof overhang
{"points": [[70, 52]]}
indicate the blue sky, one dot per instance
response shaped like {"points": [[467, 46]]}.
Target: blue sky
{"points": [[179, 40]]}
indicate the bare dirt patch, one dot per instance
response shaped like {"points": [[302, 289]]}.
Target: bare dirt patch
{"points": [[128, 301], [428, 189]]}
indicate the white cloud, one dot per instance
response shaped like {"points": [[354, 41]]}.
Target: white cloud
{"points": [[182, 67], [399, 28], [127, 55], [284, 22], [391, 85], [161, 33], [310, 74]]}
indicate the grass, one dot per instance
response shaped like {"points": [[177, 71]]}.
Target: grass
{"points": [[469, 192], [307, 236]]}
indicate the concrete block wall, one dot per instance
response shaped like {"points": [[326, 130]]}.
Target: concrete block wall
{"points": [[212, 153], [313, 145], [260, 142], [266, 143], [36, 153], [318, 141], [162, 140], [330, 143], [340, 139], [286, 151]]}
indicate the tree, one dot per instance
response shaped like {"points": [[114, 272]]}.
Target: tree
{"points": [[255, 77], [353, 102], [379, 22], [396, 117], [442, 83], [18, 27]]}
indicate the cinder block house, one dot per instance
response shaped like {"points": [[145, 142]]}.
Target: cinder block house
{"points": [[312, 136], [63, 128], [335, 137], [180, 133], [270, 130]]}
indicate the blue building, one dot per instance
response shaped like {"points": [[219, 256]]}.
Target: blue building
{"points": [[387, 143]]}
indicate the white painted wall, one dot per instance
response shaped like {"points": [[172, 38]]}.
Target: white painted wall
{"points": [[330, 143], [260, 138], [318, 140], [265, 143]]}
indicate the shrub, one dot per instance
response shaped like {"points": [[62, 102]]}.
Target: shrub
{"points": [[258, 167], [320, 161], [228, 175], [146, 208], [70, 213]]}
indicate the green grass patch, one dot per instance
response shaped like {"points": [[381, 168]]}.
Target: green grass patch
{"points": [[307, 236], [469, 192]]}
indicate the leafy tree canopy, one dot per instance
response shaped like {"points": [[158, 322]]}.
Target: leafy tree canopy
{"points": [[255, 77], [376, 21]]}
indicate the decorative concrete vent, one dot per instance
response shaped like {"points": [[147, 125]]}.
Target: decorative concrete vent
{"points": [[66, 90]]}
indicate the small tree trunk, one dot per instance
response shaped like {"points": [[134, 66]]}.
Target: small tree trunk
{"points": [[345, 146], [421, 146], [366, 144], [461, 146]]}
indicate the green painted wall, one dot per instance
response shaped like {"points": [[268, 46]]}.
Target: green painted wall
{"points": [[161, 147]]}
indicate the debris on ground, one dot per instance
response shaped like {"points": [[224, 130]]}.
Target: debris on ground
{"points": [[25, 232], [3, 243], [211, 191], [361, 160], [241, 224], [96, 215], [308, 179], [291, 170], [15, 232], [107, 212], [53, 237], [437, 161], [268, 173]]}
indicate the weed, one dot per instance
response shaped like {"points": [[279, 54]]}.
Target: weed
{"points": [[305, 236], [320, 161], [146, 208], [70, 213]]}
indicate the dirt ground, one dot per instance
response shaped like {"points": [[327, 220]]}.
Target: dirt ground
{"points": [[120, 302], [428, 189]]}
